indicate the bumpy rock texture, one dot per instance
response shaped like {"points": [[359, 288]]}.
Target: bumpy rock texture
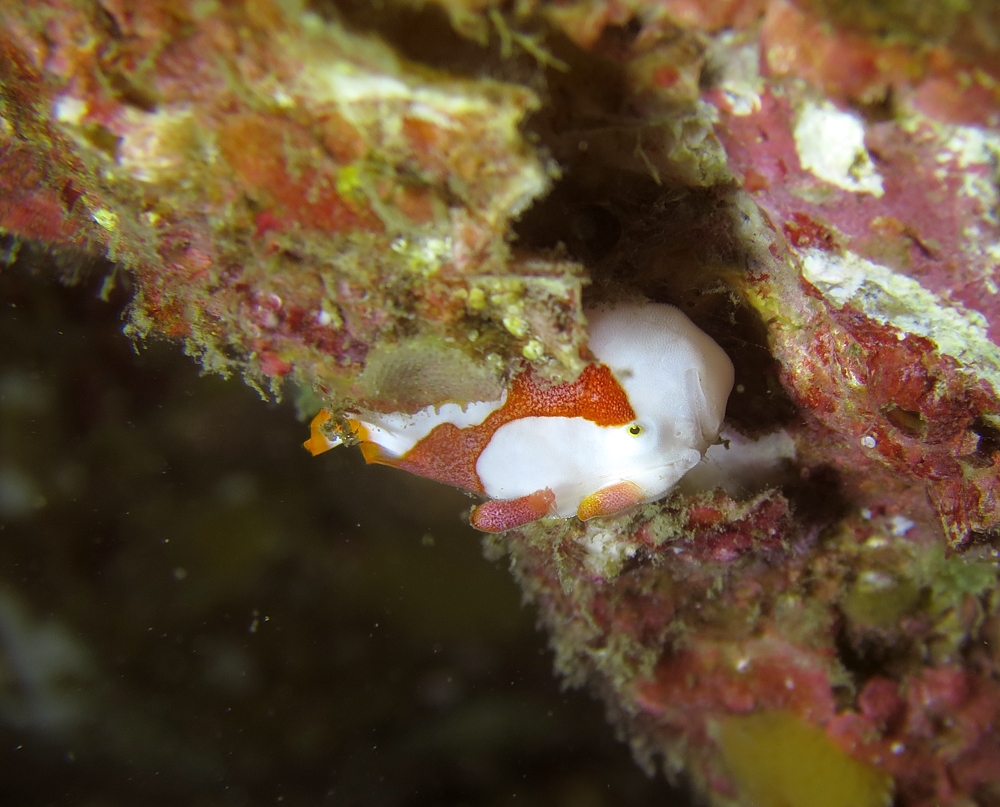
{"points": [[816, 183]]}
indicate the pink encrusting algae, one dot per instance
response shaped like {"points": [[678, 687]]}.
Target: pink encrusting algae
{"points": [[816, 184]]}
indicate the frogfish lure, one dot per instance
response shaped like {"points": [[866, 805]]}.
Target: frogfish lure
{"points": [[621, 434]]}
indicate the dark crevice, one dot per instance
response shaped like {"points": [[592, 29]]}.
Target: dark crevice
{"points": [[989, 441], [909, 422], [425, 34], [70, 266], [817, 499], [867, 655]]}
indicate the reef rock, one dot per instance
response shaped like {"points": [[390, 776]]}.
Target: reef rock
{"points": [[814, 183]]}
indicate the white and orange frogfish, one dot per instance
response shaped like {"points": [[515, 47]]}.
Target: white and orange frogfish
{"points": [[621, 434]]}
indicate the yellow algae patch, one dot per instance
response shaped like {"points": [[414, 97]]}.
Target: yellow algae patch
{"points": [[880, 600], [778, 760], [106, 218]]}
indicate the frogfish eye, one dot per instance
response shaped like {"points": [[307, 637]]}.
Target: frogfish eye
{"points": [[635, 429]]}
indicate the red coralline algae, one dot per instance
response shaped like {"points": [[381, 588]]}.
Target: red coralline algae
{"points": [[680, 635], [814, 182], [41, 182], [946, 708], [771, 675], [897, 243], [244, 153], [955, 85]]}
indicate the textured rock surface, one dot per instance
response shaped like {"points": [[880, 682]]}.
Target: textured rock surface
{"points": [[292, 198]]}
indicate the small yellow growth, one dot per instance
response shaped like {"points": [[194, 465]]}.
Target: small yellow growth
{"points": [[477, 299], [880, 600], [778, 760], [515, 325], [423, 255], [533, 351], [106, 218], [349, 180]]}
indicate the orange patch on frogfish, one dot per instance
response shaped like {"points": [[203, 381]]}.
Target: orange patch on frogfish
{"points": [[449, 454], [499, 515], [595, 396]]}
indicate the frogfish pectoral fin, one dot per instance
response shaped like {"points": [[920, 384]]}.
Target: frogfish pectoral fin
{"points": [[318, 442], [500, 515], [609, 500]]}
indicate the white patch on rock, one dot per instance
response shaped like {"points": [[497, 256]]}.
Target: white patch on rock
{"points": [[606, 552], [148, 150], [378, 102], [900, 525], [990, 275], [831, 144], [894, 299], [975, 153], [425, 255], [970, 146], [734, 62], [70, 110], [742, 466]]}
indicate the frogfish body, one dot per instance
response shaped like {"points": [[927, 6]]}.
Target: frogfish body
{"points": [[621, 434]]}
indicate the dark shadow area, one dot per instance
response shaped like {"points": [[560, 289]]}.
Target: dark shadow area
{"points": [[817, 499], [194, 610]]}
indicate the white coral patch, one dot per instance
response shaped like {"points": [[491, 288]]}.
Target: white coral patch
{"points": [[742, 466], [831, 144], [70, 110], [975, 153], [970, 146], [900, 301], [377, 99], [735, 64], [150, 148], [607, 552], [900, 525]]}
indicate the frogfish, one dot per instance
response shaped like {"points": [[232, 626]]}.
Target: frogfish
{"points": [[622, 434]]}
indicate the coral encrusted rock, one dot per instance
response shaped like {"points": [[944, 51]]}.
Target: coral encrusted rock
{"points": [[405, 208]]}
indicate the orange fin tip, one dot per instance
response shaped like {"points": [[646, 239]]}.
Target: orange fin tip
{"points": [[610, 500], [318, 442]]}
